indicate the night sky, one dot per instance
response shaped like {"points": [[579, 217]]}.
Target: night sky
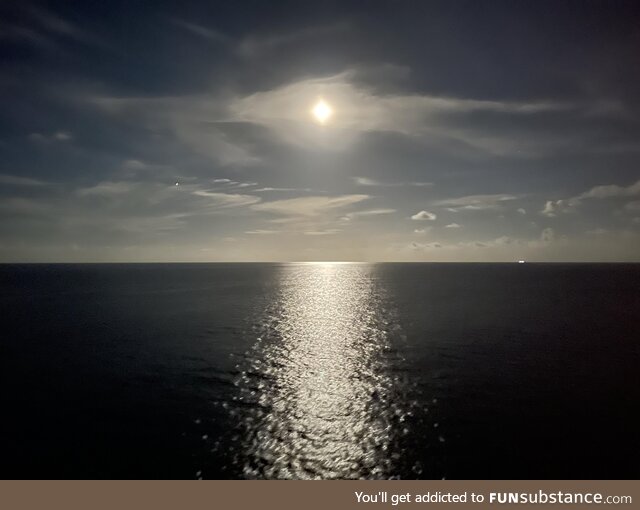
{"points": [[183, 131]]}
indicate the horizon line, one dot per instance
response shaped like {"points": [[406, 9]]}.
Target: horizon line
{"points": [[517, 262]]}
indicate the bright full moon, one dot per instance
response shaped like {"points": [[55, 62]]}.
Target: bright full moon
{"points": [[322, 112]]}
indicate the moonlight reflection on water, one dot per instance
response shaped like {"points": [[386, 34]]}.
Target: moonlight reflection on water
{"points": [[321, 401]]}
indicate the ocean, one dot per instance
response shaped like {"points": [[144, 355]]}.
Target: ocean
{"points": [[320, 370]]}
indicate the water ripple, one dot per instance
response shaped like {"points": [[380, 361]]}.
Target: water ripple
{"points": [[323, 402]]}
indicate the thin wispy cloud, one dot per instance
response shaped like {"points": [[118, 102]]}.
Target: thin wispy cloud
{"points": [[57, 136], [308, 206], [46, 30], [327, 232], [475, 202], [107, 188], [256, 46], [200, 31], [367, 213], [258, 190], [135, 164], [262, 232], [366, 181], [224, 200], [14, 180]]}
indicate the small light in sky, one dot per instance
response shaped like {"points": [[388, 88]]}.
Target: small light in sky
{"points": [[322, 111], [177, 184]]}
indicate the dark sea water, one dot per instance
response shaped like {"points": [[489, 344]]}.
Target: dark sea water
{"points": [[320, 371]]}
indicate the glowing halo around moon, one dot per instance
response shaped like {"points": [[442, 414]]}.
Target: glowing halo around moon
{"points": [[322, 112]]}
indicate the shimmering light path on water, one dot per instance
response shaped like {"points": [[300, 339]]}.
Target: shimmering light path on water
{"points": [[320, 378]]}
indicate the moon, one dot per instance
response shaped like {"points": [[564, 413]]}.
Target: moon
{"points": [[322, 111]]}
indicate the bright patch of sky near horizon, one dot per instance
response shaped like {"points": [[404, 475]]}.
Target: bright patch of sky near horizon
{"points": [[245, 132]]}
